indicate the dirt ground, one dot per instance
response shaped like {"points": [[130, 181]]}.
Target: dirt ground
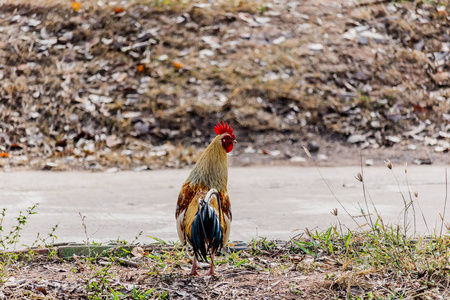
{"points": [[258, 270], [262, 274], [139, 85], [58, 280]]}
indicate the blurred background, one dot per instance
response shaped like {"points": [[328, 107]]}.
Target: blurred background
{"points": [[109, 85]]}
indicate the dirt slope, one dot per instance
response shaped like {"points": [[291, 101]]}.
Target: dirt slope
{"points": [[140, 84]]}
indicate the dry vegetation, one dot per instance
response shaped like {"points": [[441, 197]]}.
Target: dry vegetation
{"points": [[139, 84]]}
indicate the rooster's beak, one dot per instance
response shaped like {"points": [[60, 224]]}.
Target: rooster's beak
{"points": [[234, 141]]}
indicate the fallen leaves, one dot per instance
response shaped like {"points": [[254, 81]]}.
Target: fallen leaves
{"points": [[177, 65], [119, 10], [132, 77], [76, 6], [441, 77]]}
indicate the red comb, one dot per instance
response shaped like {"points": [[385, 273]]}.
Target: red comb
{"points": [[223, 128]]}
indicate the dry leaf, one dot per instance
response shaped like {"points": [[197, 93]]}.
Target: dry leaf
{"points": [[137, 252], [307, 152], [440, 77], [76, 6], [235, 92], [441, 11], [418, 109], [112, 141], [178, 65], [16, 146]]}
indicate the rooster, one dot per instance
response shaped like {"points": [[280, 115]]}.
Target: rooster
{"points": [[203, 210]]}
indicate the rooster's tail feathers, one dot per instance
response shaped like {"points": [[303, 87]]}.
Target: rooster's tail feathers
{"points": [[207, 231]]}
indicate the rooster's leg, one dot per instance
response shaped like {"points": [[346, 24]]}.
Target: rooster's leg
{"points": [[194, 267], [211, 267]]}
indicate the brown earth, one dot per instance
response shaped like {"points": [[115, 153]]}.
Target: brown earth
{"points": [[70, 280], [275, 273], [259, 270]]}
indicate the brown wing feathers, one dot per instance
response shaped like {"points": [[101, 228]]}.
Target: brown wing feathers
{"points": [[188, 204]]}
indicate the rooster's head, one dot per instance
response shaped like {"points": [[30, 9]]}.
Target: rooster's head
{"points": [[228, 139]]}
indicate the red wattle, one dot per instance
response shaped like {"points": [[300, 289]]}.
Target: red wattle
{"points": [[228, 148]]}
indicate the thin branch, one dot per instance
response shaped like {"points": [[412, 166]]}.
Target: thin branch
{"points": [[445, 202]]}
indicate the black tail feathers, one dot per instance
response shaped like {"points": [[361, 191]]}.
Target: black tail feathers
{"points": [[207, 231]]}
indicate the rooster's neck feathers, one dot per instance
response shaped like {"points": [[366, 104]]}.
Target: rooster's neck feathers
{"points": [[211, 169]]}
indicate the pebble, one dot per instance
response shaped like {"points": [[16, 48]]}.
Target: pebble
{"points": [[369, 162], [278, 40], [315, 47], [393, 139], [422, 161], [322, 157], [296, 159], [356, 138]]}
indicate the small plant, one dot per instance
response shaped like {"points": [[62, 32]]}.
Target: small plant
{"points": [[235, 259], [162, 3], [295, 290], [13, 237], [263, 8], [141, 295]]}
